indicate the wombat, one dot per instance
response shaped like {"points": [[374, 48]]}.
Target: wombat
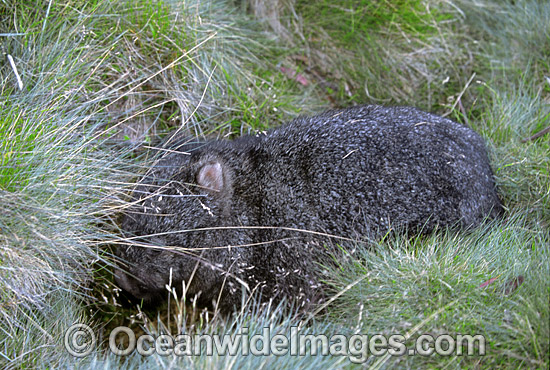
{"points": [[260, 213]]}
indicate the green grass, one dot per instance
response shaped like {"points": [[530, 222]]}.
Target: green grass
{"points": [[418, 51], [104, 81], [411, 279]]}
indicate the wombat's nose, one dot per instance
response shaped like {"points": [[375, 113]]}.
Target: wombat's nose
{"points": [[127, 283]]}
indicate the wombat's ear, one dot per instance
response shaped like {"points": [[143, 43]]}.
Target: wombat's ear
{"points": [[210, 176]]}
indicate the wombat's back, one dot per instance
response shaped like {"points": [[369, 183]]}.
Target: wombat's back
{"points": [[368, 168]]}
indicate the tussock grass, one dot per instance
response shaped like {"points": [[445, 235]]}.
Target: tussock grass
{"points": [[406, 280], [53, 198], [522, 165], [104, 82], [381, 51], [523, 40], [200, 63]]}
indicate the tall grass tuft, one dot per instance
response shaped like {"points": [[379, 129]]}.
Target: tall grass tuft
{"points": [[438, 282], [56, 179]]}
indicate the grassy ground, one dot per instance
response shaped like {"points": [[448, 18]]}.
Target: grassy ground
{"points": [[89, 87]]}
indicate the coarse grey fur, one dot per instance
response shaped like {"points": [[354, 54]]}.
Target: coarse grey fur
{"points": [[256, 212]]}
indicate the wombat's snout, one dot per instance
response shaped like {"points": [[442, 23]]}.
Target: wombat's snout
{"points": [[143, 267], [136, 288], [126, 282]]}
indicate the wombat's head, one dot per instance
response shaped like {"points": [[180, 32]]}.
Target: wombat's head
{"points": [[174, 229]]}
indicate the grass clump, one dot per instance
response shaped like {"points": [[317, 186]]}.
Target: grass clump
{"points": [[194, 62], [90, 87], [51, 191], [417, 48], [440, 281], [520, 43]]}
